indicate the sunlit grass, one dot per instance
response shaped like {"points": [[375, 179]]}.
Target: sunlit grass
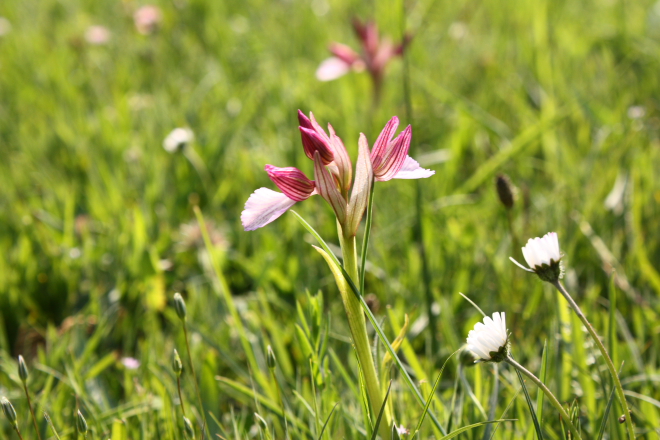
{"points": [[98, 227]]}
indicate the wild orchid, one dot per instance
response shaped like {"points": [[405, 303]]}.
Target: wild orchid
{"points": [[333, 174], [376, 53], [349, 197]]}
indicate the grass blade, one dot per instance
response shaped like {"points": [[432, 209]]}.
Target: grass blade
{"points": [[537, 426], [606, 414], [474, 425], [381, 412], [327, 420], [542, 376], [365, 240], [432, 394]]}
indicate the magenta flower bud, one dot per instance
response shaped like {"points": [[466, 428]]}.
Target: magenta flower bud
{"points": [[304, 121], [313, 141], [291, 181]]}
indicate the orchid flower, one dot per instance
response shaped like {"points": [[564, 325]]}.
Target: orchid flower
{"points": [[376, 53], [333, 174]]}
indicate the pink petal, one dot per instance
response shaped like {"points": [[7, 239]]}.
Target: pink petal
{"points": [[344, 53], [327, 188], [291, 181], [364, 178], [380, 146], [332, 68], [395, 156], [264, 206], [412, 170], [341, 159]]}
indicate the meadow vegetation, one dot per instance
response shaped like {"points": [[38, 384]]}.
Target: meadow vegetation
{"points": [[100, 225]]}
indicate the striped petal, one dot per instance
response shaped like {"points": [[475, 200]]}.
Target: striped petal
{"points": [[291, 181]]}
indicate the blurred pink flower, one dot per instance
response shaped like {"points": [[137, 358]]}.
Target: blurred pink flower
{"points": [[147, 19], [375, 54], [130, 363], [97, 35]]}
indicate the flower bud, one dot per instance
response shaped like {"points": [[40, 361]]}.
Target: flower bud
{"points": [[22, 369], [177, 366], [81, 423], [270, 358], [505, 190], [9, 410], [190, 431], [180, 306]]}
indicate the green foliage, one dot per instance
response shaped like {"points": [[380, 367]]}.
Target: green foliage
{"points": [[98, 227]]}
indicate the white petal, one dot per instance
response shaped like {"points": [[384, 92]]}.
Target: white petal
{"points": [[264, 206], [528, 254], [554, 243], [412, 170], [488, 336], [332, 68]]}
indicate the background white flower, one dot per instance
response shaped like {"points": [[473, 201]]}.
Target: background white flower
{"points": [[489, 336], [178, 139]]}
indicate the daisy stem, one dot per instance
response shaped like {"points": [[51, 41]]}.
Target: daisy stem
{"points": [[358, 327], [551, 397], [610, 365], [178, 385]]}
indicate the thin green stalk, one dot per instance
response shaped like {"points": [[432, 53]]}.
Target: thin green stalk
{"points": [[419, 199], [52, 427], [192, 369], [18, 431], [358, 326], [610, 365], [365, 240], [551, 397], [34, 419], [178, 385], [278, 390]]}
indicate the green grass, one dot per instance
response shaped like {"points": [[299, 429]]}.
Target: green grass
{"points": [[91, 205]]}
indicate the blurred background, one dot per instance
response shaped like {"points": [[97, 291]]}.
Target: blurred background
{"points": [[97, 228]]}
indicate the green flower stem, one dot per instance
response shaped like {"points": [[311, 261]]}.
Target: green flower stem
{"points": [[34, 419], [551, 397], [18, 432], [358, 327], [192, 369], [610, 365], [178, 386]]}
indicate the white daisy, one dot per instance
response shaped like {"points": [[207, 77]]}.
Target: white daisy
{"points": [[489, 340], [543, 257]]}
